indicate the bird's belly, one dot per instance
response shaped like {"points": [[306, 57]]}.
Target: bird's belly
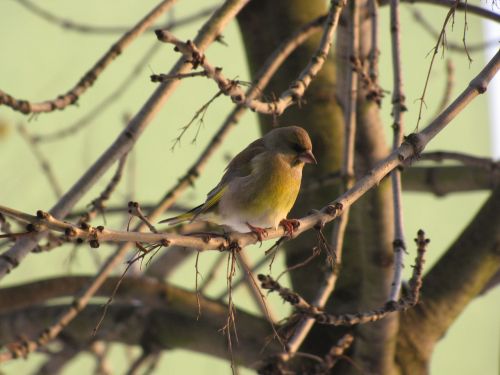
{"points": [[262, 204]]}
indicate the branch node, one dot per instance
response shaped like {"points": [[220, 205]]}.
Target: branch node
{"points": [[416, 142]]}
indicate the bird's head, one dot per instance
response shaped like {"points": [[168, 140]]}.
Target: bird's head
{"points": [[293, 142]]}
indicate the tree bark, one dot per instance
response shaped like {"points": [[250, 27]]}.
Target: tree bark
{"points": [[367, 266]]}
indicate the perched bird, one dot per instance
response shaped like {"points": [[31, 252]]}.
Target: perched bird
{"points": [[259, 186]]}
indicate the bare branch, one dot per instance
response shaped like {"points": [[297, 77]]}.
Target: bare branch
{"points": [[98, 204], [42, 160], [441, 181], [440, 42], [127, 138], [398, 107], [93, 113], [289, 97], [411, 148], [349, 319], [174, 315], [465, 159], [453, 282], [419, 17], [306, 324], [473, 9], [104, 29], [89, 78]]}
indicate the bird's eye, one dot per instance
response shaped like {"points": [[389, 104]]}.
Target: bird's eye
{"points": [[298, 148]]}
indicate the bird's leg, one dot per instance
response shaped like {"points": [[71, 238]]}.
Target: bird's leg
{"points": [[290, 226], [258, 231]]}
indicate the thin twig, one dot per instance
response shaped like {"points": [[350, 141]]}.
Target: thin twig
{"points": [[42, 160], [62, 101], [134, 209], [241, 279], [98, 205], [93, 113], [335, 352], [125, 141], [104, 29], [168, 77], [349, 319], [419, 17], [253, 287], [440, 41], [412, 147], [206, 35], [200, 113], [450, 80], [297, 89], [398, 108], [474, 9], [306, 323]]}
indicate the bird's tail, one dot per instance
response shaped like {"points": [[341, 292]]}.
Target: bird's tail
{"points": [[186, 216]]}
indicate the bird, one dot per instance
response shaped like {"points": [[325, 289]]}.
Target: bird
{"points": [[259, 185]]}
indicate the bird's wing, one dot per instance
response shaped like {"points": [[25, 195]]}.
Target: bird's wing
{"points": [[241, 164], [192, 214]]}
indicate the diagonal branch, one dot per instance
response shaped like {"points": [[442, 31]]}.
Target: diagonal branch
{"points": [[462, 6], [104, 29], [125, 141], [62, 101], [453, 282], [398, 107], [306, 324], [230, 88], [172, 323], [42, 160], [412, 147], [349, 319]]}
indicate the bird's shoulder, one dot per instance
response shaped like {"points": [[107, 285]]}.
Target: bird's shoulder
{"points": [[241, 164]]}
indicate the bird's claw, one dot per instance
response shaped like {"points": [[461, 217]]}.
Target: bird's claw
{"points": [[290, 226], [258, 231]]}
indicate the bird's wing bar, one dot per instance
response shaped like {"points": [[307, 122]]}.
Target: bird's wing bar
{"points": [[212, 199], [186, 216], [241, 165]]}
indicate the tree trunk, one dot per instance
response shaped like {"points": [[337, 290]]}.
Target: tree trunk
{"points": [[367, 264]]}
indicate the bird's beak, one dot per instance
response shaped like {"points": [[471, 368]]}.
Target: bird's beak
{"points": [[307, 157]]}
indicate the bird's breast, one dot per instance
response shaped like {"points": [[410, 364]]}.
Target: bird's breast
{"points": [[264, 197]]}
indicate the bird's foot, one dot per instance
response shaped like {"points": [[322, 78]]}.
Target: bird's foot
{"points": [[258, 231], [290, 226]]}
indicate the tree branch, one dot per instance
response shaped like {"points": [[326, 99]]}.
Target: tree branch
{"points": [[454, 281], [171, 323], [127, 138], [411, 148], [473, 9], [89, 78], [232, 89]]}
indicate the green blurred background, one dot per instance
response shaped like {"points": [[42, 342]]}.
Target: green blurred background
{"points": [[40, 60]]}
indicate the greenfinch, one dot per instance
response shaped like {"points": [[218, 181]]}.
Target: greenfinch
{"points": [[259, 186]]}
